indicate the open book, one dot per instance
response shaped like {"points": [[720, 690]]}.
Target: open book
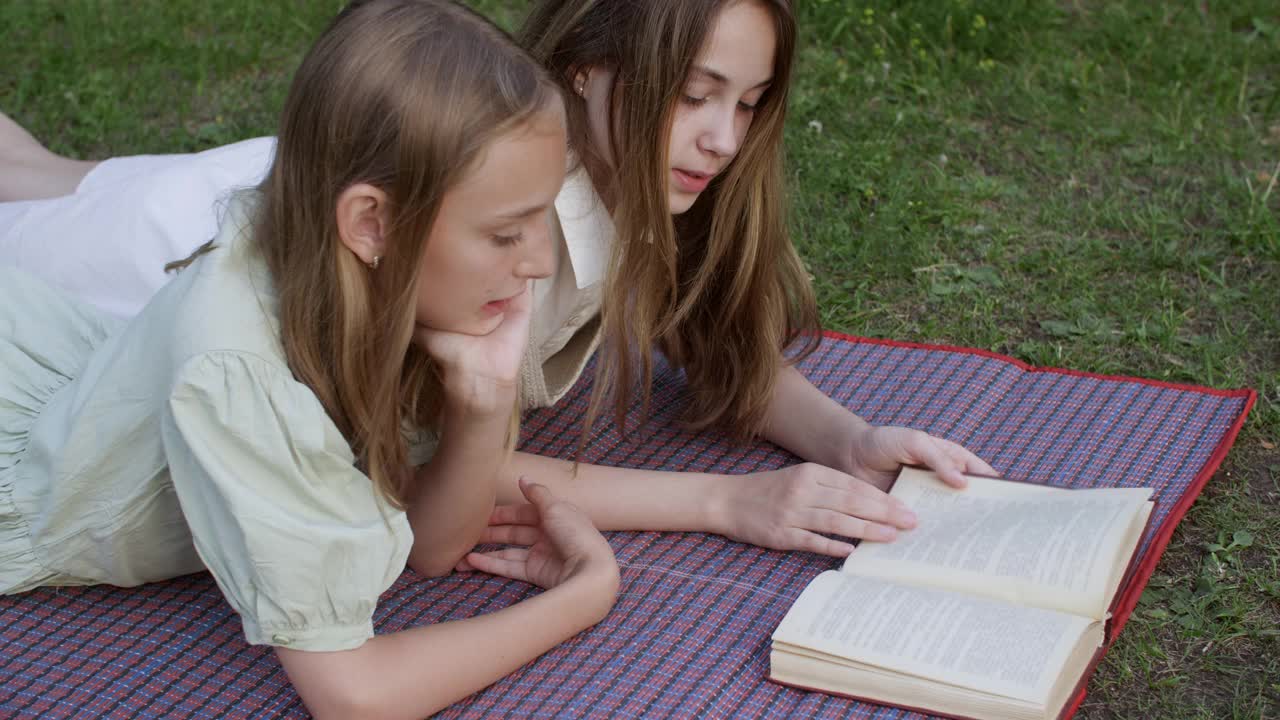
{"points": [[995, 606]]}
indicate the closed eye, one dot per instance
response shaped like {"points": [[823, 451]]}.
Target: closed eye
{"points": [[506, 240]]}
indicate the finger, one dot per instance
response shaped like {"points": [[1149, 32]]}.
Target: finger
{"points": [[536, 493], [572, 534], [522, 514], [815, 543], [971, 462], [863, 500], [837, 523], [930, 451], [509, 563], [510, 534]]}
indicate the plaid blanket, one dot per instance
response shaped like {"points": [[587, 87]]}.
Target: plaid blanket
{"points": [[689, 636]]}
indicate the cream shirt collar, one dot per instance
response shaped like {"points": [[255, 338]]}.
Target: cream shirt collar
{"points": [[587, 227]]}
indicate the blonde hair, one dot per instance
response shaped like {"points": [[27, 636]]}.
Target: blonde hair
{"points": [[719, 289], [404, 95]]}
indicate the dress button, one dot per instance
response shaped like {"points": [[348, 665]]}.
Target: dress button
{"points": [[279, 639]]}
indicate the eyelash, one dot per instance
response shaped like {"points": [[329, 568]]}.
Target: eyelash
{"points": [[698, 102], [507, 240]]}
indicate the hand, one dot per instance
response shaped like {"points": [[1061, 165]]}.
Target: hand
{"points": [[482, 370], [787, 509], [561, 546], [877, 451]]}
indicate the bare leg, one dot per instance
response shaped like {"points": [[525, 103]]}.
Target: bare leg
{"points": [[29, 171]]}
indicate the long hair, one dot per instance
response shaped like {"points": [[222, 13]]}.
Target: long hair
{"points": [[720, 289], [403, 95]]}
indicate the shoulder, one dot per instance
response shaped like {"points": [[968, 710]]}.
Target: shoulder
{"points": [[246, 392], [225, 301]]}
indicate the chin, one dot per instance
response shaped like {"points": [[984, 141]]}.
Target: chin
{"points": [[479, 327], [680, 203], [486, 325]]}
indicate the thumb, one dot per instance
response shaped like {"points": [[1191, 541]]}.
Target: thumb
{"points": [[565, 525], [536, 493], [932, 455]]}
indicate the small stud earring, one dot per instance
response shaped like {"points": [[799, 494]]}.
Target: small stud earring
{"points": [[377, 260]]}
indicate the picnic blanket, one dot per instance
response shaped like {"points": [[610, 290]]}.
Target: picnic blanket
{"points": [[689, 636]]}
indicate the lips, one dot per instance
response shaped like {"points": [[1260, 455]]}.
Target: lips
{"points": [[497, 307], [691, 180]]}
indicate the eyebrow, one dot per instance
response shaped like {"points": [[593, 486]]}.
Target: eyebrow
{"points": [[522, 213], [721, 79]]}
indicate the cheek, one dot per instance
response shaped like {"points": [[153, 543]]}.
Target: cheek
{"points": [[441, 281], [430, 310], [684, 136]]}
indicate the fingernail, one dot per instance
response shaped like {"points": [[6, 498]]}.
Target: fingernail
{"points": [[907, 519]]}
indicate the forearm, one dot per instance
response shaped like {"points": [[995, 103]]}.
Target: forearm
{"points": [[625, 498], [802, 419], [455, 491], [417, 672]]}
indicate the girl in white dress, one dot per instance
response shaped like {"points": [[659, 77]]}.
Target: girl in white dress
{"points": [[266, 415]]}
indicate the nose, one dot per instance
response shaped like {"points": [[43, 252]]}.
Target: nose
{"points": [[539, 260], [722, 134]]}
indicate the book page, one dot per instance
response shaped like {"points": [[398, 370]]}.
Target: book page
{"points": [[1027, 544], [950, 638]]}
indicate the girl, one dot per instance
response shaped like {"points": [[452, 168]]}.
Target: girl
{"points": [[675, 113], [251, 419]]}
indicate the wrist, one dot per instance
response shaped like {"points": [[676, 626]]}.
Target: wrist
{"points": [[592, 592], [718, 508], [839, 445], [473, 396]]}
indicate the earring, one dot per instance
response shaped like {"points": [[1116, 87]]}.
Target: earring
{"points": [[582, 85], [377, 260]]}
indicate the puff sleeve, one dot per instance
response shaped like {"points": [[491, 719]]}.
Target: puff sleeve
{"points": [[297, 538]]}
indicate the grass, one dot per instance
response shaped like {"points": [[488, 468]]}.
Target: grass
{"points": [[1077, 183]]}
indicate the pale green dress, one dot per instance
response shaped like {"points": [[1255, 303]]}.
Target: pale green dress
{"points": [[182, 442]]}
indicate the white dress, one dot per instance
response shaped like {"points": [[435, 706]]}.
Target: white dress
{"points": [[107, 243]]}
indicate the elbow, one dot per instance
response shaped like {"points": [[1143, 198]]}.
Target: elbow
{"points": [[343, 705], [435, 563], [351, 697]]}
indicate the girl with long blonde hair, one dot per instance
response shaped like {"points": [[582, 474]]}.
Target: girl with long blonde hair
{"points": [[266, 415], [672, 238]]}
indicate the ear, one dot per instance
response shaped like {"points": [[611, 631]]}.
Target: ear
{"points": [[586, 79], [363, 218], [578, 79]]}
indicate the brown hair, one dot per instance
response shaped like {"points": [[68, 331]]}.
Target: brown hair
{"points": [[403, 95], [719, 289]]}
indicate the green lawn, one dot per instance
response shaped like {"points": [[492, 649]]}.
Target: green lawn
{"points": [[1074, 183]]}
